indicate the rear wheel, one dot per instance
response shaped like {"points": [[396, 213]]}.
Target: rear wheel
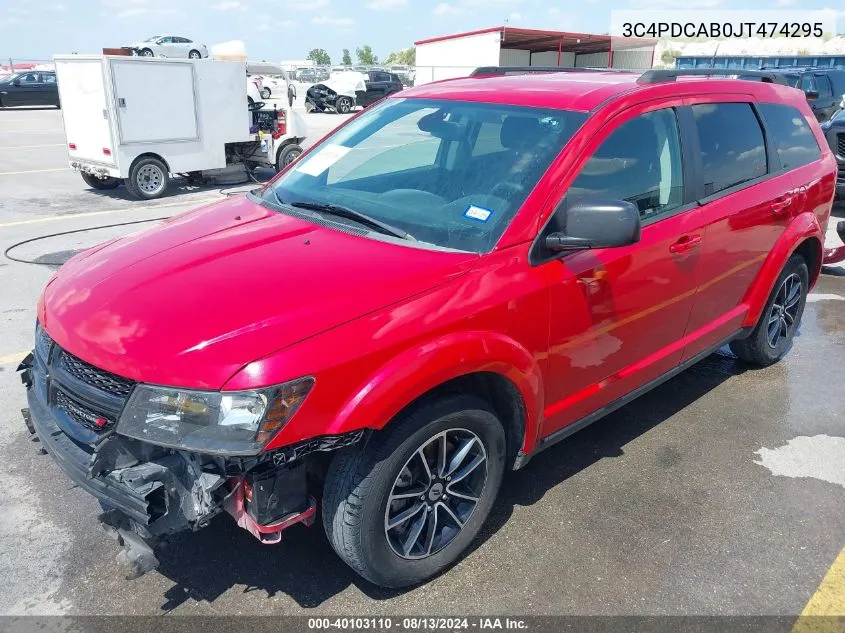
{"points": [[772, 336], [148, 178], [100, 183], [265, 93], [194, 55], [343, 105], [405, 505]]}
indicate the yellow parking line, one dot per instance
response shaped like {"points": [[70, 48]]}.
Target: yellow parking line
{"points": [[13, 358], [73, 216], [828, 601], [31, 171]]}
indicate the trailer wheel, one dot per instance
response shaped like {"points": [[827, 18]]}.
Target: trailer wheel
{"points": [[344, 105], [148, 178], [100, 183], [287, 155]]}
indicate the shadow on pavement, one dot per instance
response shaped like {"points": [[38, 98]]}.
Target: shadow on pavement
{"points": [[206, 564]]}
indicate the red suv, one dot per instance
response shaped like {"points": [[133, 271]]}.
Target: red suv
{"points": [[449, 283]]}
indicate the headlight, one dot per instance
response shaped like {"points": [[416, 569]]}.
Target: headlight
{"points": [[226, 422]]}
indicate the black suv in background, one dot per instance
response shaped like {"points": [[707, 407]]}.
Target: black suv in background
{"points": [[834, 131], [824, 87]]}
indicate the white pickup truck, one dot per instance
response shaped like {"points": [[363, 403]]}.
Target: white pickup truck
{"points": [[141, 120]]}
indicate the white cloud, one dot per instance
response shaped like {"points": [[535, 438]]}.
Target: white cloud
{"points": [[268, 24], [306, 5], [9, 22], [229, 5], [328, 20], [444, 8], [131, 13], [673, 4], [385, 5], [516, 16], [57, 7]]}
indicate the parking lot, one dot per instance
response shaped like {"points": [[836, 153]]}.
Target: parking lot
{"points": [[720, 492]]}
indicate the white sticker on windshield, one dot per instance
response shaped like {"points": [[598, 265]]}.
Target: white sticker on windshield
{"points": [[477, 213], [322, 159]]}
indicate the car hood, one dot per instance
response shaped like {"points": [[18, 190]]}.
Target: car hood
{"points": [[190, 302]]}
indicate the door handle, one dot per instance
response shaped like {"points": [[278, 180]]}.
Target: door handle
{"points": [[685, 244], [781, 204]]}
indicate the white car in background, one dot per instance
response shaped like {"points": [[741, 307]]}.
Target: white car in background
{"points": [[170, 46]]}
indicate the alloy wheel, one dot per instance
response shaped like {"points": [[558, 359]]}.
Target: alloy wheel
{"points": [[435, 493], [784, 310]]}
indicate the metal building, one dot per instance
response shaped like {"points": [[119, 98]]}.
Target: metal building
{"points": [[459, 54]]}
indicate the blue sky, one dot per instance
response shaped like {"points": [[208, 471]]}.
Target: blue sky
{"points": [[288, 29]]}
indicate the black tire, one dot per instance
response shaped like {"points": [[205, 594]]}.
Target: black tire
{"points": [[146, 52], [786, 304], [194, 55], [265, 93], [148, 178], [286, 155], [361, 478], [291, 96], [343, 105], [100, 183]]}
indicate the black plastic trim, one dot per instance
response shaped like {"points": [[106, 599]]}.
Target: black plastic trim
{"points": [[587, 420]]}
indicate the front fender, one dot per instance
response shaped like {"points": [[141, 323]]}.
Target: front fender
{"points": [[411, 374], [803, 227]]}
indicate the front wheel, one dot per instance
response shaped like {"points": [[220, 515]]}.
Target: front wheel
{"points": [[344, 105], [146, 53], [287, 155], [265, 93], [772, 336], [407, 504]]}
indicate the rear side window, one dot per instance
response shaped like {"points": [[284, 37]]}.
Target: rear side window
{"points": [[732, 147], [792, 137]]}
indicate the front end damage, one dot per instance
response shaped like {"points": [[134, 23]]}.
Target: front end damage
{"points": [[149, 492]]}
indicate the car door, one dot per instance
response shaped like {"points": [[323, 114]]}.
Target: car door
{"points": [[25, 90], [745, 202], [619, 315], [825, 103], [182, 46], [164, 47]]}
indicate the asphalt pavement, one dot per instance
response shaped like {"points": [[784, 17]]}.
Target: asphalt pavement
{"points": [[721, 492]]}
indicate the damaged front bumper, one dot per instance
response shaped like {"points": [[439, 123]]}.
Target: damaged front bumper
{"points": [[149, 492]]}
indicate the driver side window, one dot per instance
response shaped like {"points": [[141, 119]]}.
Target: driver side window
{"points": [[639, 162]]}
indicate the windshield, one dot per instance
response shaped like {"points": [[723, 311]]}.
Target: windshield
{"points": [[153, 38], [450, 173]]}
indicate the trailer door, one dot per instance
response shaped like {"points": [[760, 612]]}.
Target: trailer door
{"points": [[82, 92], [156, 100]]}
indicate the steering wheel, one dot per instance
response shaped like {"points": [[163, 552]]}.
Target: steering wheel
{"points": [[507, 189]]}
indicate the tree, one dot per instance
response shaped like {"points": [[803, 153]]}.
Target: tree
{"points": [[347, 58], [405, 56], [365, 56], [320, 57]]}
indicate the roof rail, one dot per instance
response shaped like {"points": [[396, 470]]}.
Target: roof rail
{"points": [[486, 71], [661, 76]]}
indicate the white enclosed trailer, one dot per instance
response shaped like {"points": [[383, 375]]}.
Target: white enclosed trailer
{"points": [[143, 119]]}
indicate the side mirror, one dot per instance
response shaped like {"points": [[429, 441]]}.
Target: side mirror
{"points": [[595, 223], [812, 95], [16, 82]]}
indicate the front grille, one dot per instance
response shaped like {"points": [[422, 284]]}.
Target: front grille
{"points": [[43, 342], [83, 414], [840, 144], [97, 378]]}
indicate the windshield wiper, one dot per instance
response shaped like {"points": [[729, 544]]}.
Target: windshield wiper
{"points": [[352, 214]]}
